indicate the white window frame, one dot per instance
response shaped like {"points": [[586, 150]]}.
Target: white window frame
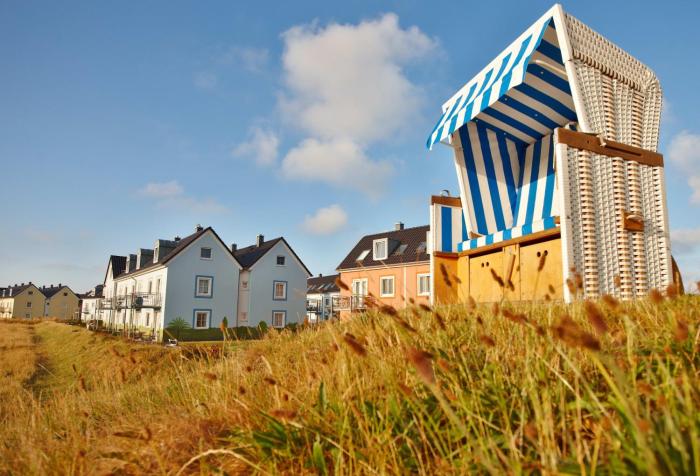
{"points": [[274, 291], [201, 250], [418, 278], [202, 311], [198, 293], [364, 282], [381, 286], [375, 255], [284, 319]]}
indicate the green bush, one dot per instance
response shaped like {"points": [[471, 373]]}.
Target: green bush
{"points": [[215, 334]]}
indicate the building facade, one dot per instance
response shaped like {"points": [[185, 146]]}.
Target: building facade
{"points": [[200, 280], [23, 301], [391, 268], [61, 302], [272, 287], [322, 294]]}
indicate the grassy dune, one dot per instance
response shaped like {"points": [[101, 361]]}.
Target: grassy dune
{"points": [[602, 388]]}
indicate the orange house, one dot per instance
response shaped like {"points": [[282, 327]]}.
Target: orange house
{"points": [[390, 268]]}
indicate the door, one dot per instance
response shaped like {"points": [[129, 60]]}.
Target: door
{"points": [[541, 275], [359, 291], [486, 277]]}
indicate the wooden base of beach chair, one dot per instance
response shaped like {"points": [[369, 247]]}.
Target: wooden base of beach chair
{"points": [[524, 269]]}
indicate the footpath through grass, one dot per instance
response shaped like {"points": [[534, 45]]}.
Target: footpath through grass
{"points": [[596, 388]]}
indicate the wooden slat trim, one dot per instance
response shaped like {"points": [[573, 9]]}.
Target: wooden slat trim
{"points": [[589, 142], [445, 254], [552, 232], [449, 201]]}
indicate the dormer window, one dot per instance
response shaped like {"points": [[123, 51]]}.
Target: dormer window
{"points": [[362, 255], [380, 249], [205, 253]]}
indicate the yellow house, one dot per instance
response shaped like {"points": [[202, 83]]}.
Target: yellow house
{"points": [[61, 302], [24, 301]]}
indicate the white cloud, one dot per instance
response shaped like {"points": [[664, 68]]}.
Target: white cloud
{"points": [[347, 89], [261, 146], [171, 195], [326, 221], [339, 162], [206, 80], [251, 59], [162, 189], [685, 240], [684, 152], [347, 80]]}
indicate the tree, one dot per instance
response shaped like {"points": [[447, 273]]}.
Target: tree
{"points": [[177, 325]]}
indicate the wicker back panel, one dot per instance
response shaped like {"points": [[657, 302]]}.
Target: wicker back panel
{"points": [[621, 100]]}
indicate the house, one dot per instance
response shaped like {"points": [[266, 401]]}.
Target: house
{"points": [[555, 149], [24, 301], [393, 267], [89, 304], [322, 292], [192, 278], [61, 302], [272, 287], [201, 280]]}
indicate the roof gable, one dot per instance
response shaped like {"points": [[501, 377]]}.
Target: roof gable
{"points": [[414, 251], [250, 255]]}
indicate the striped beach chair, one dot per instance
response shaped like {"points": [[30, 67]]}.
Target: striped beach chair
{"points": [[555, 146]]}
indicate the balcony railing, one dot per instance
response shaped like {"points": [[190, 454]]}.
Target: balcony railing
{"points": [[132, 301], [355, 302]]}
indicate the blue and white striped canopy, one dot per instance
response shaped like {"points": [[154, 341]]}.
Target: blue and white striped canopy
{"points": [[523, 93]]}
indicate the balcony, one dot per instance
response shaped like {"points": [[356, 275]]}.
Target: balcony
{"points": [[132, 301], [355, 302]]}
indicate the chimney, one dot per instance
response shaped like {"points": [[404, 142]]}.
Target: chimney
{"points": [[198, 228], [60, 285], [22, 284], [234, 247], [320, 275], [259, 240], [398, 226], [177, 238]]}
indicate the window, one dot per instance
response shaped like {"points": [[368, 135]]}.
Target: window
{"points": [[204, 286], [65, 294], [359, 287], [205, 253], [29, 304], [148, 319], [201, 319], [244, 284], [386, 286], [379, 249], [421, 248], [158, 285], [281, 261], [279, 291], [48, 302], [150, 287], [423, 284], [279, 318], [363, 255], [243, 318], [401, 250], [30, 292]]}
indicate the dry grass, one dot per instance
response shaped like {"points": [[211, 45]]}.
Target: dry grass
{"points": [[610, 387]]}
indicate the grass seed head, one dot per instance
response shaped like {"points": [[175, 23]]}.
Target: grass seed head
{"points": [[270, 381], [339, 282], [211, 376], [439, 319], [672, 291], [487, 341], [423, 363], [656, 297], [497, 278], [543, 260], [680, 333], [610, 301], [595, 317], [354, 345]]}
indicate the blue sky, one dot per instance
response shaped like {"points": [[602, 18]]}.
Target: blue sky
{"points": [[125, 122]]}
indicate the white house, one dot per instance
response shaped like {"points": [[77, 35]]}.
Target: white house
{"points": [[202, 281], [272, 288], [89, 304], [321, 294]]}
